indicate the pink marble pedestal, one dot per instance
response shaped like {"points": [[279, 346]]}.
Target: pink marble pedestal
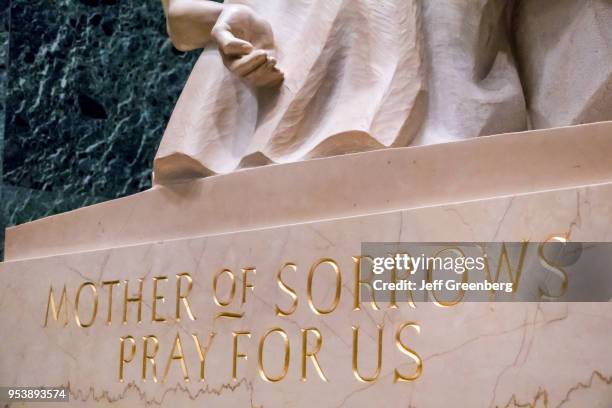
{"points": [[302, 219]]}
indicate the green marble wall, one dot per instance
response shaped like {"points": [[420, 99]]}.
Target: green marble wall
{"points": [[90, 86], [4, 43]]}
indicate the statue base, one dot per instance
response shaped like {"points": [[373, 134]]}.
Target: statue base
{"points": [[222, 291]]}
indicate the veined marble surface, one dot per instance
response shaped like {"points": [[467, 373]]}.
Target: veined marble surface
{"points": [[343, 186], [473, 355]]}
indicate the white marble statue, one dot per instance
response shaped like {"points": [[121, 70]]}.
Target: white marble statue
{"points": [[286, 80], [354, 80]]}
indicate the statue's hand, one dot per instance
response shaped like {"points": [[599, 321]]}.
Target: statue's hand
{"points": [[246, 44]]}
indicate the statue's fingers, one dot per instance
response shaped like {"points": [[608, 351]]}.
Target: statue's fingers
{"points": [[265, 76], [263, 69], [275, 78], [230, 45], [248, 63]]}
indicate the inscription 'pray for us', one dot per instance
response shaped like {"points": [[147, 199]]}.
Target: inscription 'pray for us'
{"points": [[155, 360]]}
